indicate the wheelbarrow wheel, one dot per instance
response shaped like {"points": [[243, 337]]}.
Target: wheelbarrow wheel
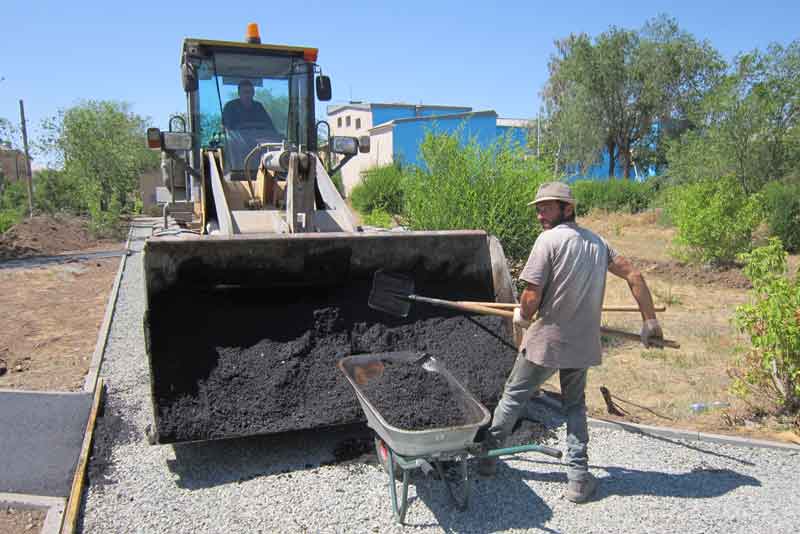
{"points": [[382, 451]]}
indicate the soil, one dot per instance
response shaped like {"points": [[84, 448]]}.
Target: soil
{"points": [[48, 328], [725, 277], [48, 235], [265, 362], [14, 520], [409, 397]]}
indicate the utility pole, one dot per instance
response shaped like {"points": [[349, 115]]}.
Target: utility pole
{"points": [[27, 157]]}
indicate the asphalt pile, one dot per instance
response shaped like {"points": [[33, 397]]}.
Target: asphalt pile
{"points": [[409, 397], [263, 363]]}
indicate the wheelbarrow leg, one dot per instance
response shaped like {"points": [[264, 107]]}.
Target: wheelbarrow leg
{"points": [[398, 509]]}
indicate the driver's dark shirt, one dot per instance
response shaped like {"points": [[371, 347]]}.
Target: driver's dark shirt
{"points": [[235, 116]]}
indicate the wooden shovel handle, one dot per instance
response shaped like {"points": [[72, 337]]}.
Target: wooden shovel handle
{"points": [[658, 342], [512, 305], [459, 305]]}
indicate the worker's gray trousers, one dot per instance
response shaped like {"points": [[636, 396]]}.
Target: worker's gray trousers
{"points": [[525, 379]]}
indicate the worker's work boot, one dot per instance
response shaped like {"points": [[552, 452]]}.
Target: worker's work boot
{"points": [[487, 467], [579, 491]]}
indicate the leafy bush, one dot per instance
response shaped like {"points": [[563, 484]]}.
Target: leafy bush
{"points": [[613, 195], [13, 204], [9, 218], [57, 191], [469, 187], [782, 203], [771, 369], [380, 188], [379, 218], [338, 183], [715, 220]]}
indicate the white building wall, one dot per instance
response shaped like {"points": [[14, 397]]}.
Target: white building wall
{"points": [[380, 153]]}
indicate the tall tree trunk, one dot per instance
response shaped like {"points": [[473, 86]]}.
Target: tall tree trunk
{"points": [[626, 163], [612, 159]]}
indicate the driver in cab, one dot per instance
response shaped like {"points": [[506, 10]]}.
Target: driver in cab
{"points": [[244, 112]]}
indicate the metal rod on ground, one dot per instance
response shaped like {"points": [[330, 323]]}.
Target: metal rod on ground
{"points": [[27, 157]]}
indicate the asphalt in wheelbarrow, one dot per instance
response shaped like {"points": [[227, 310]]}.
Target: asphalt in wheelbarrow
{"points": [[411, 398], [261, 362]]}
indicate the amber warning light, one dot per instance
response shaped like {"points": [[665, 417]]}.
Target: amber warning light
{"points": [[252, 33]]}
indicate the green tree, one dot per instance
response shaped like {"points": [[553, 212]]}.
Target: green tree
{"points": [[101, 145], [624, 90], [748, 124]]}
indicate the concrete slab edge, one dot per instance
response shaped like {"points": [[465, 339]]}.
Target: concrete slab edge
{"points": [[62, 393], [54, 506], [102, 336], [677, 433]]}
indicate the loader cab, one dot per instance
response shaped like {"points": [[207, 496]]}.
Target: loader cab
{"points": [[240, 95]]}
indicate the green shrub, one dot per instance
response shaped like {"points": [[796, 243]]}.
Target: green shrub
{"points": [[57, 191], [469, 187], [380, 188], [715, 220], [782, 203], [13, 204], [378, 217], [9, 218], [771, 368], [338, 183], [613, 195]]}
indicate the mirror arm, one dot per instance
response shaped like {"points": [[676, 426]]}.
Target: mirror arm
{"points": [[347, 158]]}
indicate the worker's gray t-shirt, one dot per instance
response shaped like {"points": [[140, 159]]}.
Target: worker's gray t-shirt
{"points": [[569, 265]]}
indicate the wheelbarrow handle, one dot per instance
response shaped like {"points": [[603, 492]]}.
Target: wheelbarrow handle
{"points": [[549, 451]]}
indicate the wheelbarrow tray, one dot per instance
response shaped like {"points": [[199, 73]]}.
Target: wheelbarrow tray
{"points": [[432, 442]]}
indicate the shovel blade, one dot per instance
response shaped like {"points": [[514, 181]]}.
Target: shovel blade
{"points": [[390, 292]]}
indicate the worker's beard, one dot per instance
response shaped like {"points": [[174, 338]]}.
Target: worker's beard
{"points": [[547, 224]]}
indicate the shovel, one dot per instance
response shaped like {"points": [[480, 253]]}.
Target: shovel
{"points": [[393, 293]]}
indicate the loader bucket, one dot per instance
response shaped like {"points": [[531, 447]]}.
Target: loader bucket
{"points": [[243, 333]]}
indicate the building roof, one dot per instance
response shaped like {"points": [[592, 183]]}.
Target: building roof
{"points": [[367, 106], [514, 123], [430, 118]]}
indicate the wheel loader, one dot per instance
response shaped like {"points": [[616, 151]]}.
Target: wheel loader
{"points": [[261, 246]]}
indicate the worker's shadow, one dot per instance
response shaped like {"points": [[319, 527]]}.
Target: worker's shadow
{"points": [[697, 483], [504, 502]]}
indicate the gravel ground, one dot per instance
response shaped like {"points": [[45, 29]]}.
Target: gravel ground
{"points": [[288, 484]]}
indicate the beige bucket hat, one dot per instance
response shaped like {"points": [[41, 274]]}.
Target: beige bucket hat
{"points": [[553, 191]]}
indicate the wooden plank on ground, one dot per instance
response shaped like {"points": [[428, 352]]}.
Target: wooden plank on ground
{"points": [[74, 502]]}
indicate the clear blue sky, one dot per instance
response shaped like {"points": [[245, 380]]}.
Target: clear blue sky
{"points": [[484, 55]]}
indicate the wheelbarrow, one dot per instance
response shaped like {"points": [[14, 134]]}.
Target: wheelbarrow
{"points": [[401, 451]]}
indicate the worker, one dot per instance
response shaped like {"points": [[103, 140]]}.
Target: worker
{"points": [[565, 280], [244, 112]]}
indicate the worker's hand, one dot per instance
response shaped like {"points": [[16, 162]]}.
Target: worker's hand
{"points": [[650, 330], [519, 321]]}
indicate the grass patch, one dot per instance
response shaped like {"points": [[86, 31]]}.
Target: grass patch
{"points": [[379, 218]]}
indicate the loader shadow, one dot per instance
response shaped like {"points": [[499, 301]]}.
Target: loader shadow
{"points": [[213, 463]]}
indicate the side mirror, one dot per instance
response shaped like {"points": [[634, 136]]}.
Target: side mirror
{"points": [[344, 145], [323, 88], [363, 144]]}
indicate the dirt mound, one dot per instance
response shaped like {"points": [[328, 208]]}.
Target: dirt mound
{"points": [[47, 235], [731, 277]]}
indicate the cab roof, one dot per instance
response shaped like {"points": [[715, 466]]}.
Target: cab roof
{"points": [[202, 46]]}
